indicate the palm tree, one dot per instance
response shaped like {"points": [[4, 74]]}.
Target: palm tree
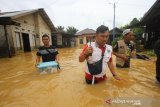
{"points": [[60, 29], [71, 30]]}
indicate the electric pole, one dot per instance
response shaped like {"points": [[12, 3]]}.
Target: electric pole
{"points": [[114, 6]]}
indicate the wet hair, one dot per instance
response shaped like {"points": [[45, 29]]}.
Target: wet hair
{"points": [[45, 35], [102, 29]]}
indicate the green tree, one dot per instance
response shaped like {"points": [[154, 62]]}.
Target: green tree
{"points": [[124, 27], [138, 31], [134, 21], [71, 30]]}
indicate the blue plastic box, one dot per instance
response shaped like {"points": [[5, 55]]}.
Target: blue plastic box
{"points": [[47, 66]]}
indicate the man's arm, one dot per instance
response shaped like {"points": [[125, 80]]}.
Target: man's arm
{"points": [[38, 59], [82, 57], [115, 52], [57, 58], [133, 53], [85, 53], [112, 70], [133, 49], [120, 56]]}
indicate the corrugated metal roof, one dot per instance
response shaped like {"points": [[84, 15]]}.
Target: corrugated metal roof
{"points": [[152, 12], [16, 14], [86, 31]]}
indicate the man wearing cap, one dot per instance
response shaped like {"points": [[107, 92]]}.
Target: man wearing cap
{"points": [[123, 48]]}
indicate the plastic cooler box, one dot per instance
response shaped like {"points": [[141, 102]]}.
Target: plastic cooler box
{"points": [[45, 65]]}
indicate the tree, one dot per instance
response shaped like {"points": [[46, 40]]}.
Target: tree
{"points": [[71, 30], [60, 29], [138, 31], [124, 27], [134, 21]]}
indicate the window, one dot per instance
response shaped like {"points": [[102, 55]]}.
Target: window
{"points": [[81, 41]]}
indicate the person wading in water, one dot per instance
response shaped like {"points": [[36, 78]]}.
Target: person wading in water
{"points": [[98, 55], [47, 52], [123, 49]]}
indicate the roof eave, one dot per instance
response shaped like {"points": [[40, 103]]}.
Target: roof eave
{"points": [[8, 21]]}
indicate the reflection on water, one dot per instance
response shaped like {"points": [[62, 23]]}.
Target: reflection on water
{"points": [[22, 86]]}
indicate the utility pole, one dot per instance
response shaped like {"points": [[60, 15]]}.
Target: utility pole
{"points": [[114, 6], [114, 17]]}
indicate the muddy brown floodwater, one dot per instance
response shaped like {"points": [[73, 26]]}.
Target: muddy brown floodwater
{"points": [[22, 86]]}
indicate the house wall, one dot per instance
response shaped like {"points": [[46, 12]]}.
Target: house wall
{"points": [[73, 41], [66, 41], [5, 45], [10, 40], [59, 40], [84, 38], [79, 39], [32, 24], [27, 25], [43, 29], [63, 40]]}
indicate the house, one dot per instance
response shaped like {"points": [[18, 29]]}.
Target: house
{"points": [[27, 34], [150, 22], [62, 39], [85, 36]]}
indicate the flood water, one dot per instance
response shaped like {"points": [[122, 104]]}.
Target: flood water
{"points": [[22, 86]]}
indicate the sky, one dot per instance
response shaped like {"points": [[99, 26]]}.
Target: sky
{"points": [[83, 13]]}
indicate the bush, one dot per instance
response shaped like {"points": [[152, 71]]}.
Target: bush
{"points": [[150, 53]]}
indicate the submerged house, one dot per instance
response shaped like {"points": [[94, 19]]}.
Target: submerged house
{"points": [[62, 39], [85, 36], [23, 30]]}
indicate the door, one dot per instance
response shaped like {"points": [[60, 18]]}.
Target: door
{"points": [[26, 42]]}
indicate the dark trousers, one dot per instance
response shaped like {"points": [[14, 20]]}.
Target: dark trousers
{"points": [[158, 69], [90, 81]]}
